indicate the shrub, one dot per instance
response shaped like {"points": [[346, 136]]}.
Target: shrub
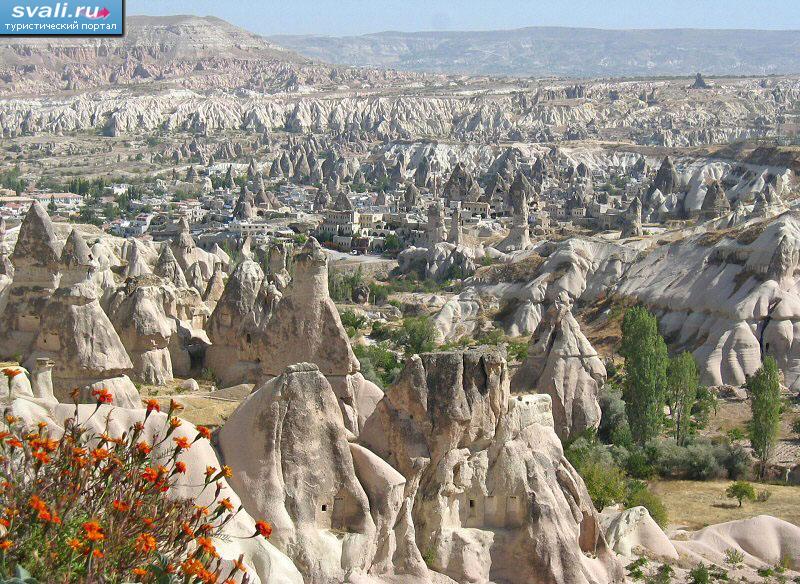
{"points": [[638, 464], [613, 421], [735, 434], [378, 364], [640, 496], [763, 496], [102, 506], [741, 490], [417, 335], [606, 484], [352, 320], [734, 557], [701, 462], [635, 570], [517, 351], [663, 575], [699, 575], [738, 462]]}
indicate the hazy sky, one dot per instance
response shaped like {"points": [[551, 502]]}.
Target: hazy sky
{"points": [[345, 17]]}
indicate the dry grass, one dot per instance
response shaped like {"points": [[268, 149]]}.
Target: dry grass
{"points": [[524, 270], [693, 504], [604, 331]]}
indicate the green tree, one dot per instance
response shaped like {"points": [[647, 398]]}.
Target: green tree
{"points": [[741, 490], [645, 383], [417, 335], [682, 383], [764, 389]]}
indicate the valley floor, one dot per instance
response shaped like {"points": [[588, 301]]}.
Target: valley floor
{"points": [[696, 504]]}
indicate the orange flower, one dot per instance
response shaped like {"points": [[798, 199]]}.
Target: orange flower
{"points": [[37, 504], [99, 454], [192, 567], [94, 532], [181, 443], [5, 522], [210, 470], [11, 419], [174, 423], [150, 474], [175, 406], [11, 373], [263, 528], [98, 554], [41, 457], [148, 521], [140, 572], [180, 467], [143, 448], [204, 432], [145, 543], [121, 506], [14, 443], [205, 544], [75, 544], [6, 544], [187, 529], [152, 406], [103, 396], [227, 472], [226, 502]]}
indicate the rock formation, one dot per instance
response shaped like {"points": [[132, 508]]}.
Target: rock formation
{"points": [[494, 497], [715, 203], [232, 355], [36, 259], [138, 314], [563, 364], [519, 238], [631, 220], [435, 230], [335, 508], [77, 335]]}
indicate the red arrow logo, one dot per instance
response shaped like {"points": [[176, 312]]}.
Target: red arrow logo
{"points": [[104, 13]]}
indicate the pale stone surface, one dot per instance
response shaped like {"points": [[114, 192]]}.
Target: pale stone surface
{"points": [[288, 447], [633, 532], [494, 497], [563, 364]]}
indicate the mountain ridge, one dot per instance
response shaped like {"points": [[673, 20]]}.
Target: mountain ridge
{"points": [[562, 51]]}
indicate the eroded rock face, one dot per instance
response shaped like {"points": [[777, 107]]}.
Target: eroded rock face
{"points": [[232, 354], [494, 497], [563, 364], [305, 325], [334, 506], [74, 330], [145, 329], [36, 258]]}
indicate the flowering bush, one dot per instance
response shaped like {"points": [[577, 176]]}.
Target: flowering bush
{"points": [[83, 508]]}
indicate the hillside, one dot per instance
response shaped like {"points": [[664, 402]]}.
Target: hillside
{"points": [[568, 52]]}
